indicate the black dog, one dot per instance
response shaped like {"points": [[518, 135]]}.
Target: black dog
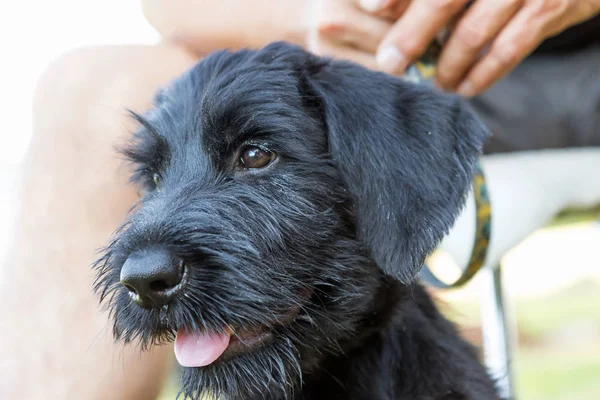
{"points": [[289, 202]]}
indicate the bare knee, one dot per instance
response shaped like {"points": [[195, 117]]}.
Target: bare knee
{"points": [[79, 111], [94, 67], [96, 84], [79, 115]]}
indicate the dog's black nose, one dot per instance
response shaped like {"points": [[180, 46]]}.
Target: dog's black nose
{"points": [[153, 277]]}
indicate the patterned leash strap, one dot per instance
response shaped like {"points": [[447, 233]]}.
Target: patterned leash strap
{"points": [[483, 230], [423, 72]]}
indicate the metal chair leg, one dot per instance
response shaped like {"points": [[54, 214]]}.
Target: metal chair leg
{"points": [[497, 329]]}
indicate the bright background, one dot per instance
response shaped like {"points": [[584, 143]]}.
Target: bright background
{"points": [[553, 278]]}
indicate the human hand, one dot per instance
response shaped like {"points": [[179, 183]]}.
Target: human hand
{"points": [[341, 29], [486, 41]]}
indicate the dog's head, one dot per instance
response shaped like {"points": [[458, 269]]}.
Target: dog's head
{"points": [[281, 190]]}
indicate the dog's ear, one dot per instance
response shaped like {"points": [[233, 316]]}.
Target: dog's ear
{"points": [[406, 153]]}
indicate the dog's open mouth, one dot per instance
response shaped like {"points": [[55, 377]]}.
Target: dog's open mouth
{"points": [[199, 349]]}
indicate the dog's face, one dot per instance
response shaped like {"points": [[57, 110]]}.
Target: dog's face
{"points": [[281, 191]]}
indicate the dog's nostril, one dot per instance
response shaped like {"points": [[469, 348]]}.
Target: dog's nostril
{"points": [[159, 286], [153, 277], [131, 289]]}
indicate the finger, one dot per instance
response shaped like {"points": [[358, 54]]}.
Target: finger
{"points": [[476, 29], [326, 48], [374, 6], [353, 26], [414, 31], [520, 37], [389, 9]]}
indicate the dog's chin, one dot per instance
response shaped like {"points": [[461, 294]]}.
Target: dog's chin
{"points": [[262, 359], [251, 367], [199, 349], [246, 342]]}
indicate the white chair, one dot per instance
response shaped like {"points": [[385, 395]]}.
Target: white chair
{"points": [[526, 190]]}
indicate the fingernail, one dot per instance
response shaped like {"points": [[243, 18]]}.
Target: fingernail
{"points": [[391, 60], [465, 89], [372, 5]]}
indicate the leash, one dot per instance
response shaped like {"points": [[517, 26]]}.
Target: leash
{"points": [[423, 71], [483, 230]]}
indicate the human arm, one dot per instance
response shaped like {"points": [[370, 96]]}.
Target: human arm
{"points": [[204, 26]]}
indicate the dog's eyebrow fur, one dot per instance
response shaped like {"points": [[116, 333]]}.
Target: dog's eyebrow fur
{"points": [[147, 149], [143, 121]]}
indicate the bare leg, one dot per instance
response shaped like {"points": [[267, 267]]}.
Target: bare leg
{"points": [[56, 343]]}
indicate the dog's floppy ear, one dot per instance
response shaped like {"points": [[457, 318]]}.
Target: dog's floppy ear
{"points": [[407, 156]]}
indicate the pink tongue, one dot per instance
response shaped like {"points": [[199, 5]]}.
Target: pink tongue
{"points": [[194, 349]]}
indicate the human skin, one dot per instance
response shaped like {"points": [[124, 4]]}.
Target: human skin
{"points": [[486, 42], [73, 194]]}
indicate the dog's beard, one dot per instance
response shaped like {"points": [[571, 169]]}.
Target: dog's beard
{"points": [[271, 371], [272, 368], [329, 299], [340, 295]]}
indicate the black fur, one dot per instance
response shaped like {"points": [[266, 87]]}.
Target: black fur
{"points": [[370, 174]]}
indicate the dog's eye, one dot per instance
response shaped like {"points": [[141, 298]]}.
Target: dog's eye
{"points": [[156, 179], [255, 157]]}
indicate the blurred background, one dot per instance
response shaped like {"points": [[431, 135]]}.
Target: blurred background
{"points": [[552, 279]]}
